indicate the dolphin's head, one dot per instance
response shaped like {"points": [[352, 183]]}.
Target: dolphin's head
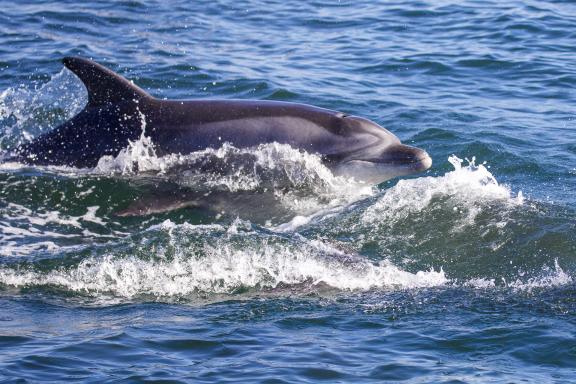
{"points": [[375, 154]]}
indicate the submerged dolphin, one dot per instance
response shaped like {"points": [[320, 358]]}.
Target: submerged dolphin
{"points": [[349, 145]]}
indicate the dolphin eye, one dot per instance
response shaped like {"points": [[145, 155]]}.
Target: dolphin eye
{"points": [[342, 115]]}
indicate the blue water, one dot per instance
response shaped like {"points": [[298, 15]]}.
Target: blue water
{"points": [[465, 273]]}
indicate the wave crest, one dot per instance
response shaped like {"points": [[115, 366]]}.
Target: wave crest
{"points": [[215, 259]]}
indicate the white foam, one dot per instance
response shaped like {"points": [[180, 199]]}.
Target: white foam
{"points": [[34, 111], [298, 179], [138, 156], [25, 232], [226, 260], [468, 187], [546, 278], [90, 216]]}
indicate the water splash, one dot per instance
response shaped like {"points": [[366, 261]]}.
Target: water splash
{"points": [[214, 259], [547, 277], [298, 180], [170, 261], [468, 188], [28, 112], [180, 260], [138, 156]]}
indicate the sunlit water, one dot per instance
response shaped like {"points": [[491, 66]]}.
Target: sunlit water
{"points": [[273, 269]]}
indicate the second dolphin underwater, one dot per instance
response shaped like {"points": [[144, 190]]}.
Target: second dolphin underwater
{"points": [[350, 146]]}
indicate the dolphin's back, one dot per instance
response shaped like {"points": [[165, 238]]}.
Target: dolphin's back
{"points": [[117, 112], [189, 125], [109, 120]]}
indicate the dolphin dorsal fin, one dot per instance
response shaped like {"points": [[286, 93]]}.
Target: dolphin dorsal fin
{"points": [[103, 85]]}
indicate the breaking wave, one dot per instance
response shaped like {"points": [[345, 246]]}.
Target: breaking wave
{"points": [[468, 188], [180, 260]]}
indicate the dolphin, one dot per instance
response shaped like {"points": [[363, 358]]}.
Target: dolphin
{"points": [[117, 109]]}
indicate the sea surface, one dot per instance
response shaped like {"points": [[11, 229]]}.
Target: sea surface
{"points": [[463, 274]]}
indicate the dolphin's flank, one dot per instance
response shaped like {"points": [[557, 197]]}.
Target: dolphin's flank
{"points": [[349, 145]]}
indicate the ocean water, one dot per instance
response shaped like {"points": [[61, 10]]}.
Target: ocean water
{"points": [[462, 274]]}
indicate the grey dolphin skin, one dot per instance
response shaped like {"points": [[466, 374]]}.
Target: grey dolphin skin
{"points": [[349, 145]]}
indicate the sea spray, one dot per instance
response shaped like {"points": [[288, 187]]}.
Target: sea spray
{"points": [[467, 186], [26, 113], [138, 156]]}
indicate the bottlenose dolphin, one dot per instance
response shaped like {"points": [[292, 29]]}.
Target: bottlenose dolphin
{"points": [[116, 109]]}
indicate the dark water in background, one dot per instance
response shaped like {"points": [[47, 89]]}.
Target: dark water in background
{"points": [[463, 274]]}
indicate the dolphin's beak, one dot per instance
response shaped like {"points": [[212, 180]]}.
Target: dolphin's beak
{"points": [[402, 155], [391, 161]]}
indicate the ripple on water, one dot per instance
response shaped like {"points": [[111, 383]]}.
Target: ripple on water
{"points": [[451, 276]]}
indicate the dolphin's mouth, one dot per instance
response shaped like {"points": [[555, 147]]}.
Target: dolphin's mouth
{"points": [[415, 165], [400, 155], [418, 163], [399, 160]]}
